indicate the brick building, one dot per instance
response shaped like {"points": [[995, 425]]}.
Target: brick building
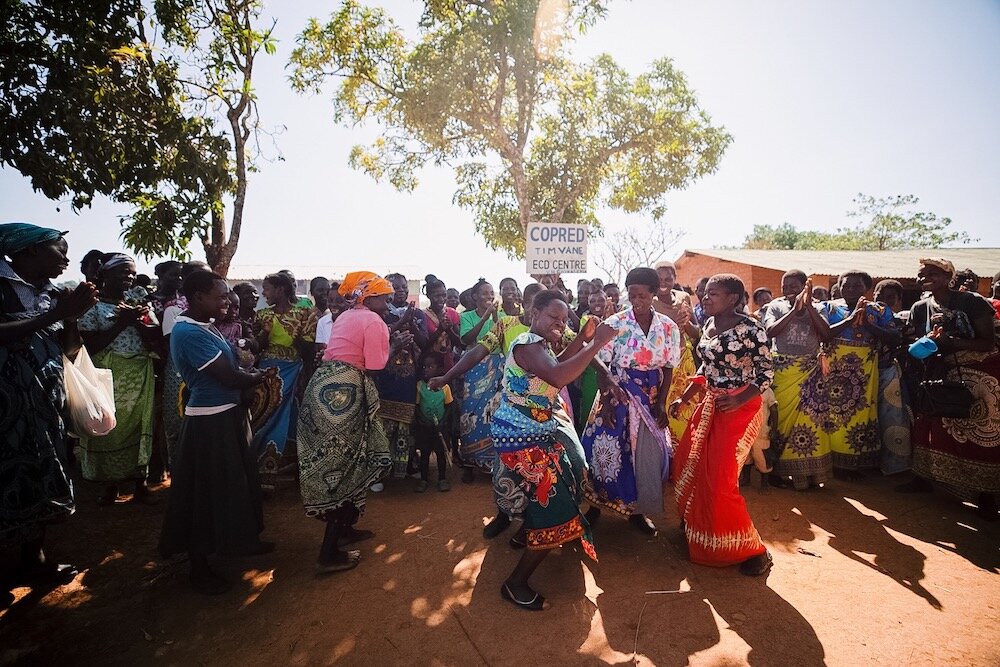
{"points": [[763, 268]]}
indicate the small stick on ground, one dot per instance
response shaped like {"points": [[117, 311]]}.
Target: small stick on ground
{"points": [[468, 636], [635, 644]]}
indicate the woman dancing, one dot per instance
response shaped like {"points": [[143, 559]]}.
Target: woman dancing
{"points": [[735, 369], [530, 457]]}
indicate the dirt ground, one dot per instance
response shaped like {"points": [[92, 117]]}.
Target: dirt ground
{"points": [[862, 576]]}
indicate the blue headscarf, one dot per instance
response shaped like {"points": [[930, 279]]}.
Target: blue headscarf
{"points": [[16, 236]]}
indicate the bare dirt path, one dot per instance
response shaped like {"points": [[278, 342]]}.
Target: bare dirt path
{"points": [[862, 576]]}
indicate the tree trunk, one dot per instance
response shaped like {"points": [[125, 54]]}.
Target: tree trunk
{"points": [[217, 251]]}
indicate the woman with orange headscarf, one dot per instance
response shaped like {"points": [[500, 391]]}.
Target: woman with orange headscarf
{"points": [[343, 448]]}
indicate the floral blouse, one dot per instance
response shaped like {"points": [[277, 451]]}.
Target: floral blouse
{"points": [[632, 348], [527, 403], [298, 322], [737, 357], [100, 318], [875, 313]]}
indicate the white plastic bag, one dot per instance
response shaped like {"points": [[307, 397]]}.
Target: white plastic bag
{"points": [[90, 393]]}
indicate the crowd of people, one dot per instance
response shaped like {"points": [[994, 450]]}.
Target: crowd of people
{"points": [[574, 401]]}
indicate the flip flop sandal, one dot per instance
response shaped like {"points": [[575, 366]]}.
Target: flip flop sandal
{"points": [[536, 603], [643, 525], [757, 565], [353, 557]]}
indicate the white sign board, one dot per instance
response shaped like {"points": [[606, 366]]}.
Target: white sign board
{"points": [[551, 248]]}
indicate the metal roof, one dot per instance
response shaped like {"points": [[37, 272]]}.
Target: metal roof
{"points": [[878, 263]]}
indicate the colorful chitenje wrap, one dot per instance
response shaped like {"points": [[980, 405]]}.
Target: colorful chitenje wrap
{"points": [[342, 447], [678, 383], [706, 471], [963, 455], [629, 460], [123, 454], [271, 440], [893, 420], [480, 399], [851, 388], [397, 390], [801, 394], [34, 473], [534, 468]]}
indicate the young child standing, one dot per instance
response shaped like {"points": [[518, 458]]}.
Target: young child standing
{"points": [[433, 415]]}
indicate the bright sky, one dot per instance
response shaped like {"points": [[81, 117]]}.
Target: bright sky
{"points": [[824, 100]]}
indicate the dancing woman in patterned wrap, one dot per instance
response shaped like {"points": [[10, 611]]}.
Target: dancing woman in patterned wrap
{"points": [[736, 368], [343, 448], [626, 440], [529, 454]]}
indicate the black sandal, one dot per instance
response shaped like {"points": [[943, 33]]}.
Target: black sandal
{"points": [[756, 566], [536, 603], [519, 540], [497, 525], [353, 558], [643, 524]]}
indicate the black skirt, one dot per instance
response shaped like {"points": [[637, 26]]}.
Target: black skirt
{"points": [[215, 499]]}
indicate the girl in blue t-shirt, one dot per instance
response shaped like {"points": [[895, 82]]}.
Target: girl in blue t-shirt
{"points": [[215, 503]]}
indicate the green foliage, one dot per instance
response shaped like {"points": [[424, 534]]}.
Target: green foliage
{"points": [[155, 111], [893, 222], [787, 237], [488, 90], [85, 109], [885, 223]]}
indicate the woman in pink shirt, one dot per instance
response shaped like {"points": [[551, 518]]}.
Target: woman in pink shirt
{"points": [[342, 447]]}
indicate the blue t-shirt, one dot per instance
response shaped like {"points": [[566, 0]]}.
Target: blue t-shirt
{"points": [[193, 347]]}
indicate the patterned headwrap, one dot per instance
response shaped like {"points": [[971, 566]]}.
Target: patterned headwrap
{"points": [[113, 259], [359, 285], [16, 236], [939, 263]]}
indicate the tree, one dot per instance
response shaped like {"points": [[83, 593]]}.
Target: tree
{"points": [[487, 89], [157, 111], [634, 245], [892, 222], [216, 43], [81, 112], [887, 223], [787, 237]]}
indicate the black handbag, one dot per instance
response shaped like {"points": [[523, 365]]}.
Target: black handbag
{"points": [[944, 398]]}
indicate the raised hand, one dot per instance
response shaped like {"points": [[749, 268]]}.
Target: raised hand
{"points": [[129, 315], [605, 334], [400, 339], [73, 304], [589, 329], [859, 312]]}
